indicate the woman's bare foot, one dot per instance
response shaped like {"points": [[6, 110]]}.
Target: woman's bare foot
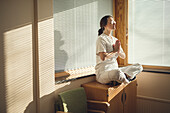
{"points": [[129, 78]]}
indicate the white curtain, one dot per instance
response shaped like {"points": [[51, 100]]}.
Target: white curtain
{"points": [[149, 32]]}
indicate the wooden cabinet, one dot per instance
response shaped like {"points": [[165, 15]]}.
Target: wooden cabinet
{"points": [[116, 99], [116, 104], [130, 100]]}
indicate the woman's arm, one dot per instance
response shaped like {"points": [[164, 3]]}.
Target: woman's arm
{"points": [[104, 55], [122, 55], [120, 50]]}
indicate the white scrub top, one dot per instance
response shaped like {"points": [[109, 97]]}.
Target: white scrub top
{"points": [[105, 43]]}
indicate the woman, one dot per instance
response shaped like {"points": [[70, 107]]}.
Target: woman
{"points": [[108, 48]]}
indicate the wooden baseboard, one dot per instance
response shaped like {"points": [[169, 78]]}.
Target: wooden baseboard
{"points": [[153, 99]]}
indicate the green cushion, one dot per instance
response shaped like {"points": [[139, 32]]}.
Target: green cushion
{"points": [[73, 101]]}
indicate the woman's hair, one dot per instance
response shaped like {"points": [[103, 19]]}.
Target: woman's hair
{"points": [[103, 22]]}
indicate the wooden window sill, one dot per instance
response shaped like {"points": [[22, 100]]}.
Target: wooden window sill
{"points": [[156, 69], [70, 75]]}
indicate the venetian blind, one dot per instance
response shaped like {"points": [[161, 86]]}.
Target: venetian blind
{"points": [[76, 24], [149, 36]]}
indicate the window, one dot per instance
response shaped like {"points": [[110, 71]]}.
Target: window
{"points": [[149, 36], [76, 24]]}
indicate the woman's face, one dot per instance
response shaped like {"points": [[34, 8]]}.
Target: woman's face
{"points": [[111, 24]]}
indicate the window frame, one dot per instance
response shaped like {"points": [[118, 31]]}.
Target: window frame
{"points": [[122, 11]]}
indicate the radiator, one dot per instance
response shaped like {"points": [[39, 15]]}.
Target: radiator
{"points": [[152, 105]]}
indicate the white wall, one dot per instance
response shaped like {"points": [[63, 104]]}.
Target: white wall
{"points": [[46, 55], [153, 93], [16, 77], [17, 86], [71, 85], [17, 82]]}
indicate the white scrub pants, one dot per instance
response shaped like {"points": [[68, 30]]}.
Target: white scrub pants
{"points": [[119, 74]]}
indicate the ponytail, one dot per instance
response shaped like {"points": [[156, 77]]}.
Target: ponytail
{"points": [[100, 31]]}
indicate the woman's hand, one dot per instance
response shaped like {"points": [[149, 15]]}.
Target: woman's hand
{"points": [[116, 46]]}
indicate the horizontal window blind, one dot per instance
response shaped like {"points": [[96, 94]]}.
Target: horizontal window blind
{"points": [[76, 24], [149, 36]]}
